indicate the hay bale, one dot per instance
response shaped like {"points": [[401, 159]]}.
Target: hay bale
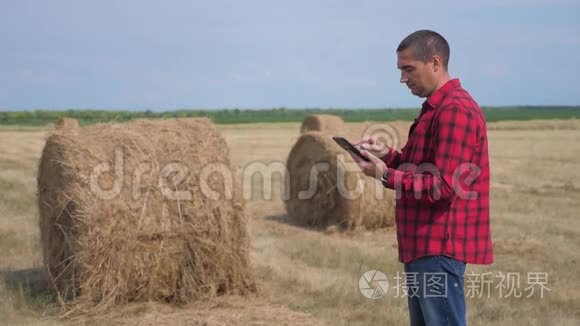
{"points": [[343, 195], [107, 241], [326, 123], [67, 123]]}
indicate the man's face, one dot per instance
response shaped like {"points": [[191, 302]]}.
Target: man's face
{"points": [[417, 75]]}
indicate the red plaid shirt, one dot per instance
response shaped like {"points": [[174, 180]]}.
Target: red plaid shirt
{"points": [[441, 179]]}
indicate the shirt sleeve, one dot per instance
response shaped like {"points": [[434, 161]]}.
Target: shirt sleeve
{"points": [[392, 159], [453, 144]]}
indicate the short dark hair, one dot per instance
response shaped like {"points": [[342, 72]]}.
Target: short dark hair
{"points": [[424, 44]]}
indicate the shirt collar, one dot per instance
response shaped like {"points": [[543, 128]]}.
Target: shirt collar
{"points": [[437, 97]]}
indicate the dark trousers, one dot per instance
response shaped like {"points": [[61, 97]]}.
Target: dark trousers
{"points": [[435, 291]]}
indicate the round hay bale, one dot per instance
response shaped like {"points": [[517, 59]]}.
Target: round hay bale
{"points": [[326, 123], [327, 188], [64, 123], [116, 221]]}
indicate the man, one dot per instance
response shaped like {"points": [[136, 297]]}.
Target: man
{"points": [[441, 179]]}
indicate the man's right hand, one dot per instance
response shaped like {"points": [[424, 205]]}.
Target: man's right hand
{"points": [[373, 145]]}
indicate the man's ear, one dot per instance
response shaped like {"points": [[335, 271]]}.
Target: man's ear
{"points": [[436, 63]]}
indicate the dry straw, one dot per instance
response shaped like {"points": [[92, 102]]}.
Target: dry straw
{"points": [[343, 195], [64, 123], [326, 123], [141, 245]]}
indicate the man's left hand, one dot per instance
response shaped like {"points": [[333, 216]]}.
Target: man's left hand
{"points": [[375, 168]]}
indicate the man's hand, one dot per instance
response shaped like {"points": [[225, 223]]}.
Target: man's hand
{"points": [[373, 145], [375, 168]]}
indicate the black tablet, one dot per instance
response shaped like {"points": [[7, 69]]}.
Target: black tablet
{"points": [[349, 147]]}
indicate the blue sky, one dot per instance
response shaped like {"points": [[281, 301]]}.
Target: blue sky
{"points": [[164, 55]]}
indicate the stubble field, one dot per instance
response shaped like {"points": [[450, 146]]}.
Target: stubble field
{"points": [[311, 277]]}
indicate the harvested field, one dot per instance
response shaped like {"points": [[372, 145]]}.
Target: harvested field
{"points": [[311, 277]]}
